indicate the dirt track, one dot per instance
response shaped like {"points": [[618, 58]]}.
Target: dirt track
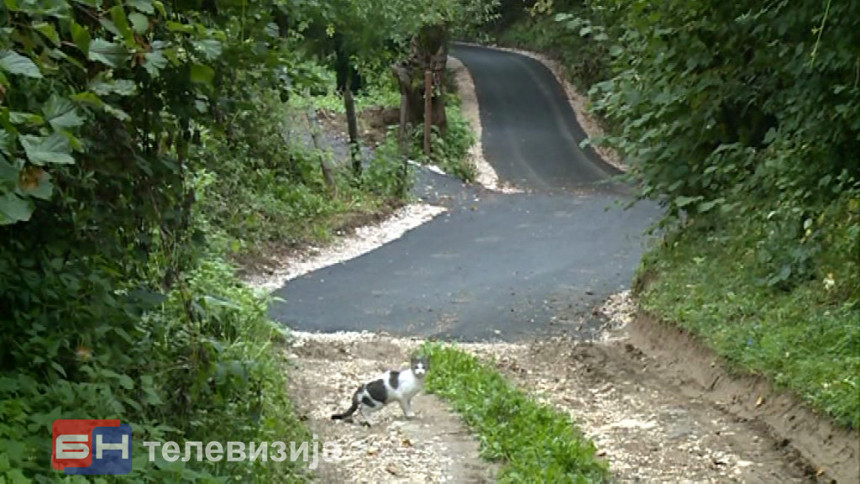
{"points": [[646, 411]]}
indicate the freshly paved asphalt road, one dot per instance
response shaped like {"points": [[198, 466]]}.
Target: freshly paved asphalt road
{"points": [[495, 266]]}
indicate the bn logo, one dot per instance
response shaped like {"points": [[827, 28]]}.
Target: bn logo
{"points": [[92, 447]]}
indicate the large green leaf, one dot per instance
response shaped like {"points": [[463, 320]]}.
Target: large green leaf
{"points": [[108, 53], [8, 175], [120, 20], [17, 117], [144, 6], [81, 36], [15, 63], [202, 74], [209, 48], [48, 31], [40, 187], [14, 209], [61, 113], [43, 150], [139, 22], [88, 99], [154, 61]]}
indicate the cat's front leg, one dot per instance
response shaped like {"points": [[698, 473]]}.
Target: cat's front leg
{"points": [[406, 405]]}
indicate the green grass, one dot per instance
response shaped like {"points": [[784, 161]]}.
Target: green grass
{"points": [[532, 441], [333, 101], [805, 338]]}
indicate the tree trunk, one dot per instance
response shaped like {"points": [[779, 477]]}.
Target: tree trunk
{"points": [[429, 51], [352, 128], [428, 110]]}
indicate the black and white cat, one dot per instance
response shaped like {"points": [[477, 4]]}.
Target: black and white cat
{"points": [[391, 386]]}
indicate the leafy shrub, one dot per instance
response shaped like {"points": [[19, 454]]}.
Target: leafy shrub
{"points": [[388, 175], [570, 36], [451, 150]]}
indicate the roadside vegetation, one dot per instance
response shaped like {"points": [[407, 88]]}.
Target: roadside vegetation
{"points": [[143, 150], [532, 441], [743, 120]]}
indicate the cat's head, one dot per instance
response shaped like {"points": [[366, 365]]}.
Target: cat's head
{"points": [[420, 365]]}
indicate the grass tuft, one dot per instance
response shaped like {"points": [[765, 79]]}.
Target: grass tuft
{"points": [[534, 442]]}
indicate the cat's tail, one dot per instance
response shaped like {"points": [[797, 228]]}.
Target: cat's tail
{"points": [[348, 413]]}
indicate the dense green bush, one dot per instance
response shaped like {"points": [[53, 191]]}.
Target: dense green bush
{"points": [[565, 32], [735, 105], [743, 120], [448, 150]]}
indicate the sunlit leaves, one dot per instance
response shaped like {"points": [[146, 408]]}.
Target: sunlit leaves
{"points": [[139, 22], [52, 149], [48, 30], [121, 87], [145, 6], [15, 63], [154, 62], [60, 113], [81, 37], [109, 53], [208, 48]]}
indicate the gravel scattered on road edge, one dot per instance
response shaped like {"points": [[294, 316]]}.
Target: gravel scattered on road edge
{"points": [[363, 240]]}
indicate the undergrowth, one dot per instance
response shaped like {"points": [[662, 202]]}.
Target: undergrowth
{"points": [[449, 150], [800, 327], [532, 441], [759, 180], [280, 197]]}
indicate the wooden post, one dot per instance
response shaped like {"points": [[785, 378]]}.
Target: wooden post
{"points": [[428, 109], [352, 128], [327, 171]]}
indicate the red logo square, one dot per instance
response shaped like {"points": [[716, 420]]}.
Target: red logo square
{"points": [[73, 442]]}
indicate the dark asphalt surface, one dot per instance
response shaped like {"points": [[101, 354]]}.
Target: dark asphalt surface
{"points": [[530, 133], [495, 266]]}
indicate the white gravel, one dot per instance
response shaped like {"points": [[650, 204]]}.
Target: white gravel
{"points": [[363, 240]]}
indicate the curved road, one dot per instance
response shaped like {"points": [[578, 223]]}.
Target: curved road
{"points": [[495, 266], [531, 136]]}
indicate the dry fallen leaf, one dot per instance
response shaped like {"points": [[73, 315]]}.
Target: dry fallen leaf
{"points": [[759, 401]]}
